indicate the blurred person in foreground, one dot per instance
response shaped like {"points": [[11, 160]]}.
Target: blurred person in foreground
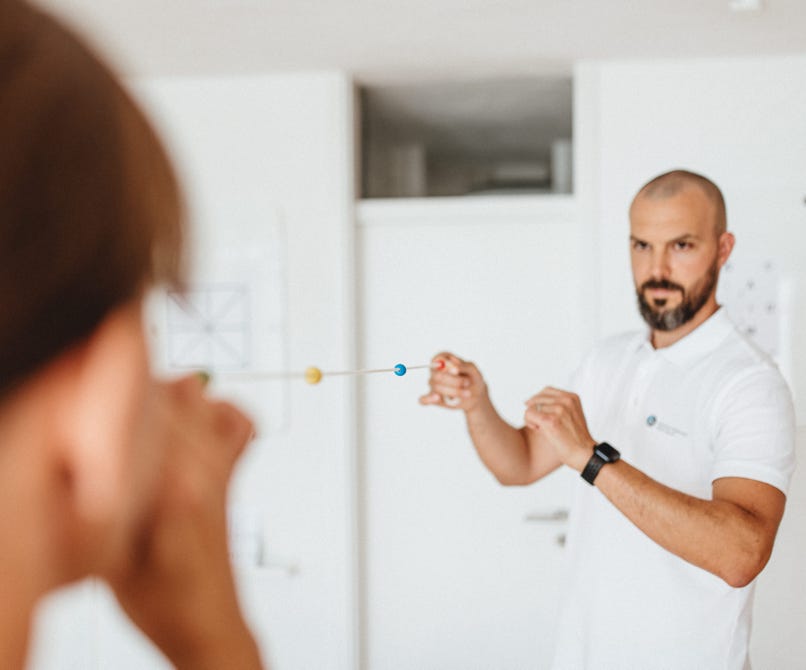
{"points": [[104, 470]]}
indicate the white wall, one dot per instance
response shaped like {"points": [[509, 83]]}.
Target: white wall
{"points": [[440, 576], [740, 122], [285, 143]]}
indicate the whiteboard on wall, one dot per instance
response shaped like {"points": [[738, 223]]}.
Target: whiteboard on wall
{"points": [[758, 300], [232, 320]]}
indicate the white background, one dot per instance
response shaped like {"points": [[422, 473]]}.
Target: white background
{"points": [[411, 556]]}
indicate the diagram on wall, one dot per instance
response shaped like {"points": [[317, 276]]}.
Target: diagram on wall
{"points": [[209, 327], [754, 295], [231, 320]]}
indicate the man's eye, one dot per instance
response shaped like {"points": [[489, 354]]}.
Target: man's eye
{"points": [[683, 245]]}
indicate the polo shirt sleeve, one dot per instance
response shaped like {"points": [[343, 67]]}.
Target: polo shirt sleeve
{"points": [[755, 429]]}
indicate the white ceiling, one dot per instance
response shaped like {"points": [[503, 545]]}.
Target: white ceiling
{"points": [[384, 41]]}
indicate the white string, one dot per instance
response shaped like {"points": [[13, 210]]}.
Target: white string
{"points": [[291, 375]]}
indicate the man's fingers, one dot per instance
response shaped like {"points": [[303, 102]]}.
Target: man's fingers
{"points": [[544, 395], [463, 369], [430, 399], [451, 390], [540, 400], [453, 383], [455, 365], [447, 380], [552, 396], [446, 357], [543, 413], [560, 396], [437, 400]]}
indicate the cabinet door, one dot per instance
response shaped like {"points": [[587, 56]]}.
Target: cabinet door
{"points": [[461, 572]]}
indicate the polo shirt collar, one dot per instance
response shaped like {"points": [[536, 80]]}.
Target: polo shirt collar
{"points": [[700, 342]]}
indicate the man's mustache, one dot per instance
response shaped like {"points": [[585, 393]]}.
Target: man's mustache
{"points": [[661, 284]]}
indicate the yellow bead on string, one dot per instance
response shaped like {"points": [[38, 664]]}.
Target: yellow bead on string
{"points": [[313, 375]]}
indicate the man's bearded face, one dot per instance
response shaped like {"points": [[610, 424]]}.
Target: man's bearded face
{"points": [[660, 317]]}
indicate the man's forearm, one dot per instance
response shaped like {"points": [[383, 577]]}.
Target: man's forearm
{"points": [[504, 449], [716, 535]]}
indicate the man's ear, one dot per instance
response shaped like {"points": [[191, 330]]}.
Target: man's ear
{"points": [[104, 383], [725, 247]]}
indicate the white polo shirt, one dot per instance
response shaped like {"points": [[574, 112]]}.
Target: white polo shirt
{"points": [[709, 406]]}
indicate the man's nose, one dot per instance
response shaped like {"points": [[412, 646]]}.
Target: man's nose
{"points": [[660, 265]]}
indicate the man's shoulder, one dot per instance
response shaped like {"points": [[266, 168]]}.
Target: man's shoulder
{"points": [[741, 361], [745, 351]]}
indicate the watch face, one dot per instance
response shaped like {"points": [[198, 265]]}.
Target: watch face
{"points": [[607, 453]]}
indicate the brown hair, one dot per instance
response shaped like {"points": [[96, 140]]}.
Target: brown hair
{"points": [[90, 212]]}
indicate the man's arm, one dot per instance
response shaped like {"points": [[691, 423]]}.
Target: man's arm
{"points": [[731, 535], [514, 456]]}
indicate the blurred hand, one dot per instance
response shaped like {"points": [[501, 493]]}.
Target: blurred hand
{"points": [[177, 584], [559, 417], [456, 385]]}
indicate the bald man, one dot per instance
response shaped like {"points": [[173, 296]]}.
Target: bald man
{"points": [[684, 440]]}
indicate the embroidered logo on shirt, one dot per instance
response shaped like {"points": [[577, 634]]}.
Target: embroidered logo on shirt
{"points": [[652, 420]]}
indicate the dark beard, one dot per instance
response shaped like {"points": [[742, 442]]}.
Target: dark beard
{"points": [[659, 319]]}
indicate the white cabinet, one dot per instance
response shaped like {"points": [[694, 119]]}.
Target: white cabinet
{"points": [[456, 577]]}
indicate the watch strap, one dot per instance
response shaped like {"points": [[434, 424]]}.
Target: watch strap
{"points": [[603, 453], [592, 468]]}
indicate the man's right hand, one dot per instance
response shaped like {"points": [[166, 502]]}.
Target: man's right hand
{"points": [[457, 385]]}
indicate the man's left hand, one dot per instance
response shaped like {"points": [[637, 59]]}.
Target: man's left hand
{"points": [[559, 417]]}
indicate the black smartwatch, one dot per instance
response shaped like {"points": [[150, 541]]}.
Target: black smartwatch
{"points": [[602, 453]]}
